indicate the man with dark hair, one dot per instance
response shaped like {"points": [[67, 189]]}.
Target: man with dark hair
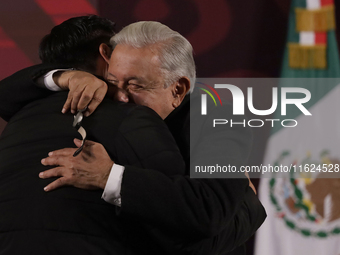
{"points": [[74, 221], [76, 41], [185, 215]]}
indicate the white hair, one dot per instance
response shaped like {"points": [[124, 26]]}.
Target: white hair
{"points": [[174, 51]]}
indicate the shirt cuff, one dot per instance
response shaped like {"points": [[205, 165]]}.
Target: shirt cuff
{"points": [[48, 82], [113, 185]]}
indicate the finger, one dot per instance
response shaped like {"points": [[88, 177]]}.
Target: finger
{"points": [[95, 102], [62, 181], [86, 98], [67, 104], [77, 142], [71, 98], [49, 161], [61, 160], [62, 152], [75, 100], [92, 106], [54, 172]]}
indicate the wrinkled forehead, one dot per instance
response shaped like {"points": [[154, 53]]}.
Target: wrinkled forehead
{"points": [[129, 61], [149, 52]]}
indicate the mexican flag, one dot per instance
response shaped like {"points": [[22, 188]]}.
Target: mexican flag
{"points": [[303, 206]]}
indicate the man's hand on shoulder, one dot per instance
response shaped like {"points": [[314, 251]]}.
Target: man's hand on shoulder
{"points": [[89, 170], [85, 90]]}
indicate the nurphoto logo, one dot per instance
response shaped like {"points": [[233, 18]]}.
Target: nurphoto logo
{"points": [[239, 104]]}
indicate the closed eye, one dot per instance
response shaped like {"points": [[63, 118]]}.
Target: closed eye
{"points": [[112, 81], [134, 86]]}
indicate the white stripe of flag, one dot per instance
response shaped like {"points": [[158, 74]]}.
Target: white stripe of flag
{"points": [[307, 38], [313, 4]]}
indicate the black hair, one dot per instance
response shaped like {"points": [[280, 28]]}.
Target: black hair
{"points": [[76, 41]]}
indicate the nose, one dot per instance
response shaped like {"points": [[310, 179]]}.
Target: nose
{"points": [[120, 85], [122, 95]]}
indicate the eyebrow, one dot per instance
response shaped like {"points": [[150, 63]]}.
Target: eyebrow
{"points": [[139, 79]]}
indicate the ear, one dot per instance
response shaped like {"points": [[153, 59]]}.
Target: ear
{"points": [[105, 51], [180, 89]]}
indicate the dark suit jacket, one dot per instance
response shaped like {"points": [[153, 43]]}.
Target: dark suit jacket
{"points": [[70, 220], [216, 216], [212, 215]]}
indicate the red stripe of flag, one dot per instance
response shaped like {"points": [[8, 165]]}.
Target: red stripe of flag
{"points": [[320, 38], [327, 2]]}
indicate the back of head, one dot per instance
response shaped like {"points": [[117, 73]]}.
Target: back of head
{"points": [[76, 41], [174, 51]]}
